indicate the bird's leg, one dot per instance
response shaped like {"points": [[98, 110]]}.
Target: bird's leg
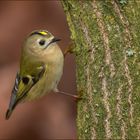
{"points": [[67, 94]]}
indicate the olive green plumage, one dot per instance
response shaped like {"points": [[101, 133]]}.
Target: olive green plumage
{"points": [[41, 67]]}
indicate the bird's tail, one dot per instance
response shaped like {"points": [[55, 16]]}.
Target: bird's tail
{"points": [[8, 114], [12, 105]]}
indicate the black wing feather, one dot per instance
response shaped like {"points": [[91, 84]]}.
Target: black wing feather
{"points": [[14, 100]]}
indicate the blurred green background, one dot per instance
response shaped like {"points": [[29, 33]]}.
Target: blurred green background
{"points": [[54, 115]]}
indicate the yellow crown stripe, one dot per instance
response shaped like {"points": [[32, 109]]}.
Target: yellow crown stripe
{"points": [[43, 33]]}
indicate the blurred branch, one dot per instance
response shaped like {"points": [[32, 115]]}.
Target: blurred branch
{"points": [[108, 75]]}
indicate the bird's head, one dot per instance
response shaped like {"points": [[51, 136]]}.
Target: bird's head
{"points": [[39, 41]]}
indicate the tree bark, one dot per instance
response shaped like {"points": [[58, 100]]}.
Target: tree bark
{"points": [[106, 34]]}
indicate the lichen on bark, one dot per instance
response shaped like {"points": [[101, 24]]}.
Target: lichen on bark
{"points": [[109, 74]]}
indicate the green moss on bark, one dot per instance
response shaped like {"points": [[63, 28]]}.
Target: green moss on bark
{"points": [[108, 75]]}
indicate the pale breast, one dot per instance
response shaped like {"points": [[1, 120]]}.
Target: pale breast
{"points": [[50, 79]]}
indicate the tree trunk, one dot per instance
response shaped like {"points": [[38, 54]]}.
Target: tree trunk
{"points": [[106, 34]]}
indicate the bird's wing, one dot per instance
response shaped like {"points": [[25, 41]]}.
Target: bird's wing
{"points": [[22, 86]]}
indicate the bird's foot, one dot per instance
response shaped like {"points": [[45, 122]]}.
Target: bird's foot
{"points": [[69, 49]]}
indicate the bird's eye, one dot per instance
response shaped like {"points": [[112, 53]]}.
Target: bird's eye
{"points": [[41, 42]]}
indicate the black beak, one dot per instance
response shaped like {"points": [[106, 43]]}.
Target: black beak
{"points": [[55, 40], [52, 41]]}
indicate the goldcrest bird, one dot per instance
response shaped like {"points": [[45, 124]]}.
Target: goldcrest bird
{"points": [[41, 67]]}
